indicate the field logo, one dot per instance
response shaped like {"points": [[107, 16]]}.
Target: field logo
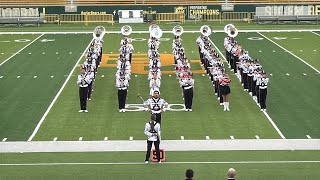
{"points": [[139, 107], [255, 38], [280, 38], [47, 40]]}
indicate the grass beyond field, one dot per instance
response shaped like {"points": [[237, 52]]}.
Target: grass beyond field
{"points": [[251, 165]]}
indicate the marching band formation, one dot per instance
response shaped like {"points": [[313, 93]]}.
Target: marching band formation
{"points": [[124, 67], [248, 70], [89, 68], [214, 67], [183, 68], [155, 105]]}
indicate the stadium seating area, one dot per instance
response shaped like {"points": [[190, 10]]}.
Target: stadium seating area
{"points": [[146, 2]]}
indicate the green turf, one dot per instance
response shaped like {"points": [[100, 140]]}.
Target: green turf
{"points": [[303, 48], [24, 100], [103, 120], [189, 25], [293, 101], [162, 171], [9, 46]]}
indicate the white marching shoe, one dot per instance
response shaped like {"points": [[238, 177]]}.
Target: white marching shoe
{"points": [[190, 109], [80, 111], [85, 111], [186, 110], [123, 110]]}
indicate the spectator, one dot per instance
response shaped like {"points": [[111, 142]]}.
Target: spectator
{"points": [[189, 174], [231, 174]]}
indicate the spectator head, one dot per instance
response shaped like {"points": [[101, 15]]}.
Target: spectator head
{"points": [[189, 174], [231, 173]]}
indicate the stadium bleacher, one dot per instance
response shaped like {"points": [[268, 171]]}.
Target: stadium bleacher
{"points": [[20, 16]]}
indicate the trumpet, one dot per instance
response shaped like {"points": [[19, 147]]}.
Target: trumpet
{"points": [[126, 30], [177, 30], [231, 30], [99, 32], [205, 30]]}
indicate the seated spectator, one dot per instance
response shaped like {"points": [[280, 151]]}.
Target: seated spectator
{"points": [[231, 174], [189, 174]]}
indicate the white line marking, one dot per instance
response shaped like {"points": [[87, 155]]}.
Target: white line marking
{"points": [[4, 139], [287, 74], [105, 138], [21, 49], [18, 77], [315, 33], [290, 53], [309, 137], [257, 137], [55, 139], [142, 163], [35, 76], [182, 137], [170, 32], [207, 137], [304, 74], [265, 113], [131, 138], [274, 125], [57, 95], [231, 137], [80, 138]]}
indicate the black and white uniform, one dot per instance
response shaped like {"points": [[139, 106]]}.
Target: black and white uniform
{"points": [[157, 106], [154, 85], [187, 85], [154, 137], [83, 81], [263, 85], [90, 75], [122, 85]]}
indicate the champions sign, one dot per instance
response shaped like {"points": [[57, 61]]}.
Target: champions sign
{"points": [[196, 12]]}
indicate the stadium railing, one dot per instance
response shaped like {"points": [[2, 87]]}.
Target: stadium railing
{"points": [[228, 16], [89, 18], [171, 17]]}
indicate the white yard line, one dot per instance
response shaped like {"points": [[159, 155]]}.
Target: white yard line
{"points": [[168, 145], [315, 33], [57, 95], [170, 32], [265, 113], [290, 53], [142, 163], [21, 49]]}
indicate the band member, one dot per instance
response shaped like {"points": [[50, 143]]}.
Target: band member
{"points": [[156, 105], [152, 130], [154, 84], [130, 49], [90, 74], [263, 85], [122, 85], [225, 91], [187, 85], [83, 81]]}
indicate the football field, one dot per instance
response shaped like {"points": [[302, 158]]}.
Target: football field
{"points": [[40, 102]]}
